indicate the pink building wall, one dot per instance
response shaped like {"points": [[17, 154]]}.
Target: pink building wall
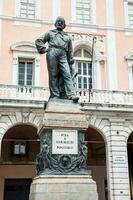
{"points": [[12, 33]]}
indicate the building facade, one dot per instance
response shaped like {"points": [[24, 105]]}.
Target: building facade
{"points": [[99, 30]]}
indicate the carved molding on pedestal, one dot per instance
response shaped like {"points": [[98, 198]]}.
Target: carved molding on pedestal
{"points": [[49, 163]]}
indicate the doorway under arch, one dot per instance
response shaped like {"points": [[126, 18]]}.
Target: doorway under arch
{"points": [[130, 162], [96, 161], [20, 145]]}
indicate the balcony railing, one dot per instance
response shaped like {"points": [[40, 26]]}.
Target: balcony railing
{"points": [[27, 93], [12, 92], [106, 97]]}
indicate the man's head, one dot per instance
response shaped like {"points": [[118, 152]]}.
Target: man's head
{"points": [[60, 23]]}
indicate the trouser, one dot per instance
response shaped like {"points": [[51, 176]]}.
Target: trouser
{"points": [[58, 68]]}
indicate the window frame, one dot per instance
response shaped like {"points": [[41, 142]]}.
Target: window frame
{"points": [[19, 142], [26, 50], [27, 9], [92, 15], [82, 60], [129, 59], [83, 14], [25, 74], [126, 6], [37, 10], [130, 4]]}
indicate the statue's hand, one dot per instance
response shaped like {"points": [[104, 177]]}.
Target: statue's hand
{"points": [[44, 50]]}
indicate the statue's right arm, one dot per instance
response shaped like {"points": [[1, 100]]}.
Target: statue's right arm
{"points": [[40, 43]]}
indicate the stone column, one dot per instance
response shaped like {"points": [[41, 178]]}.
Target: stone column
{"points": [[118, 185]]}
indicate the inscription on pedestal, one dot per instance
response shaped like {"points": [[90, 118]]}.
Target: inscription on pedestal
{"points": [[62, 152], [64, 141]]}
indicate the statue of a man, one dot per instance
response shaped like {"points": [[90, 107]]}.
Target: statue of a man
{"points": [[59, 59]]}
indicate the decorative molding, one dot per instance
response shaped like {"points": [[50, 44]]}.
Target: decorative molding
{"points": [[25, 117], [99, 124], [19, 117], [81, 39], [129, 56], [85, 41], [75, 27], [28, 46]]}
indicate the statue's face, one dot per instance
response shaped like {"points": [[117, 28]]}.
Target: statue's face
{"points": [[60, 24]]}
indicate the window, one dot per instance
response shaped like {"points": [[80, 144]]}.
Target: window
{"points": [[128, 7], [25, 72], [83, 11], [130, 75], [129, 59], [26, 64], [27, 9], [130, 14], [84, 69], [19, 148]]}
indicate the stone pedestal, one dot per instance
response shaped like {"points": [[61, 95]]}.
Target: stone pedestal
{"points": [[61, 163], [63, 114], [70, 187]]}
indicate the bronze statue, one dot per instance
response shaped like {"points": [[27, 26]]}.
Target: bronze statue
{"points": [[59, 60]]}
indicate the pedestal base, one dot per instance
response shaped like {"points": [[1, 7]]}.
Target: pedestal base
{"points": [[70, 187]]}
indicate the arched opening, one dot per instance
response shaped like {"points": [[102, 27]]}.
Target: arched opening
{"points": [[130, 162], [96, 161], [20, 146]]}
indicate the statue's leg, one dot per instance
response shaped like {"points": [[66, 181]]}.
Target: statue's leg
{"points": [[65, 73], [52, 64], [62, 88]]}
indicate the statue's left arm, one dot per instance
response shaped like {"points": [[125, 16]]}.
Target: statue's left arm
{"points": [[70, 53]]}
